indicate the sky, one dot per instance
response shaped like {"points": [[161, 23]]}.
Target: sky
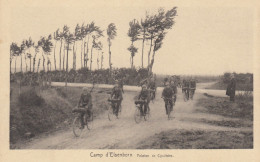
{"points": [[204, 40]]}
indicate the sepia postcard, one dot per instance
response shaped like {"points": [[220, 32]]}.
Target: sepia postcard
{"points": [[132, 80]]}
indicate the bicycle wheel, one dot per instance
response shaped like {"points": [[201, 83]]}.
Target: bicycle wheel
{"points": [[191, 95], [169, 111], [148, 114], [89, 122], [111, 115], [137, 116], [76, 127]]}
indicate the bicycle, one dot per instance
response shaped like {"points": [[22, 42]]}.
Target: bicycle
{"points": [[88, 121], [152, 94], [168, 107], [138, 116], [112, 109]]}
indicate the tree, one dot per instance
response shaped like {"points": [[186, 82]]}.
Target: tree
{"points": [[56, 37], [144, 26], [77, 36], [133, 33], [59, 36], [21, 51], [99, 48], [46, 45], [95, 45], [163, 21], [65, 32], [29, 43], [36, 50], [132, 50], [111, 33], [69, 39], [156, 29], [14, 52], [83, 33], [92, 30]]}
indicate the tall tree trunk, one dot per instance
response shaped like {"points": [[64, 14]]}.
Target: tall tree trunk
{"points": [[98, 61], [81, 53], [63, 64], [67, 66], [152, 61], [74, 56], [38, 65], [60, 53], [131, 61], [143, 50], [151, 44], [25, 63], [21, 63], [15, 65], [132, 65], [87, 53], [34, 61], [30, 64], [54, 56], [91, 59], [43, 62], [84, 60], [110, 64]]}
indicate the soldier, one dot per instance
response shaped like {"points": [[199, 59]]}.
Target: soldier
{"points": [[192, 87], [174, 90], [85, 102], [231, 89], [167, 95], [144, 96], [116, 94]]}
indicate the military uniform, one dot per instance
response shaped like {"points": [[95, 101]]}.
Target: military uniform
{"points": [[116, 94], [231, 89], [144, 96], [168, 94], [85, 102]]}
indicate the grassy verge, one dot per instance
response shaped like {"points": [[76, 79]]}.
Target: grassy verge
{"points": [[242, 108], [35, 112], [239, 86], [198, 139]]}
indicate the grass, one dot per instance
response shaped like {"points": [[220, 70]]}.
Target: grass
{"points": [[239, 86], [242, 108], [35, 112], [198, 139]]}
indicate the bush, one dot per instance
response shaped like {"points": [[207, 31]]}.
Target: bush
{"points": [[131, 76], [30, 98]]}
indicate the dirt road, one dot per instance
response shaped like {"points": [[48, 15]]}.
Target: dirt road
{"points": [[124, 133]]}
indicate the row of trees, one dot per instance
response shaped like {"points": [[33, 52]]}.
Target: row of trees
{"points": [[85, 35], [152, 29]]}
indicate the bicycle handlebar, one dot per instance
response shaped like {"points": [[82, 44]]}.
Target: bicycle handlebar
{"points": [[113, 100]]}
